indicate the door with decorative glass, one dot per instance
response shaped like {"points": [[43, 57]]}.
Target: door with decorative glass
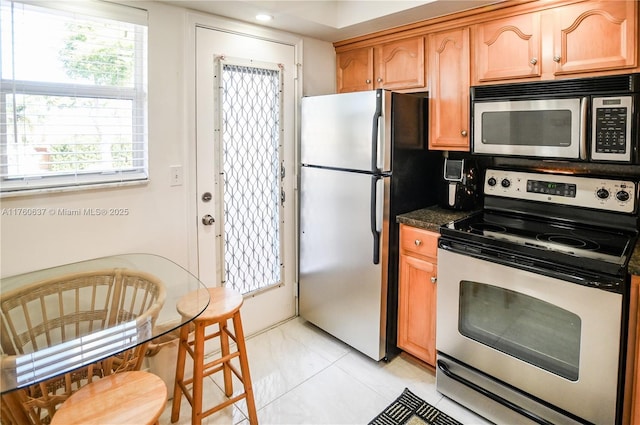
{"points": [[245, 159]]}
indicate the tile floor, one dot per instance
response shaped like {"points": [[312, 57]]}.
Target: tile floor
{"points": [[302, 375]]}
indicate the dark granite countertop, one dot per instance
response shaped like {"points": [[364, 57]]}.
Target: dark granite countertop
{"points": [[433, 217]]}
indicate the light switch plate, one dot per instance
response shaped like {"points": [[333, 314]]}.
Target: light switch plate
{"points": [[176, 175]]}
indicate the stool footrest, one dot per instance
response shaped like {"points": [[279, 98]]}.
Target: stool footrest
{"points": [[224, 404], [237, 373], [224, 359], [185, 390]]}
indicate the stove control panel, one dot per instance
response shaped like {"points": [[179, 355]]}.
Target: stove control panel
{"points": [[588, 192]]}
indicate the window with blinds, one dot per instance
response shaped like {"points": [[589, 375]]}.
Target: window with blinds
{"points": [[73, 95]]}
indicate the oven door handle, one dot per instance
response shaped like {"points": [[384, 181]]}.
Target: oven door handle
{"points": [[506, 403]]}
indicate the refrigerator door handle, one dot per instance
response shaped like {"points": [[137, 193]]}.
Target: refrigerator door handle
{"points": [[374, 219], [375, 131]]}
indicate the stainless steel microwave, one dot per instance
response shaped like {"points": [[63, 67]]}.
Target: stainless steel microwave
{"points": [[589, 119]]}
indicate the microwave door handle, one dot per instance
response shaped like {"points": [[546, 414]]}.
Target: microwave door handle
{"points": [[584, 104]]}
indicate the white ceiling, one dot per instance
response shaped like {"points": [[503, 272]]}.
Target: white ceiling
{"points": [[332, 20]]}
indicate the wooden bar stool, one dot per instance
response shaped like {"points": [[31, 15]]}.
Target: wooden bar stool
{"points": [[224, 305], [124, 398]]}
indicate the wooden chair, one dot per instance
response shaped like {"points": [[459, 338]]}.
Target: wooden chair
{"points": [[45, 313], [224, 306]]}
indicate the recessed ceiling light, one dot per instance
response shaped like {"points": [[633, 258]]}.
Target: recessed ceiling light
{"points": [[263, 17]]}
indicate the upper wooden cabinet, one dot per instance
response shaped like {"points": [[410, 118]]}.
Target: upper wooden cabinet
{"points": [[395, 65], [400, 64], [595, 36], [514, 41], [586, 37], [354, 70], [449, 90], [508, 48]]}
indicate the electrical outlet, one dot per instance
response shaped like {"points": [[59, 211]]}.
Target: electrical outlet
{"points": [[176, 175]]}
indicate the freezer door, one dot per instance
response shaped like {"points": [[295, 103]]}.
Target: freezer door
{"points": [[341, 289], [347, 131]]}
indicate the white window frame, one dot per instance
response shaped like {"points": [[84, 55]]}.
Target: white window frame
{"points": [[21, 185]]}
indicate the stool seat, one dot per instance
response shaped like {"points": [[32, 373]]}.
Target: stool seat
{"points": [[224, 306], [224, 302], [125, 398]]}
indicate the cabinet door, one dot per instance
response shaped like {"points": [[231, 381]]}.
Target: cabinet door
{"points": [[400, 64], [631, 413], [449, 90], [354, 70], [595, 36], [417, 308], [508, 48]]}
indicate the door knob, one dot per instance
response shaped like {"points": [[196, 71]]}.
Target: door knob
{"points": [[208, 220]]}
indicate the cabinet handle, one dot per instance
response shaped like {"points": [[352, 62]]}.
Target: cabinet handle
{"points": [[418, 242], [556, 59], [464, 133], [534, 61], [379, 79], [368, 81], [434, 279]]}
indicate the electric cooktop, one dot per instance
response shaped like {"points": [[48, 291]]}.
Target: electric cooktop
{"points": [[581, 241], [547, 220]]}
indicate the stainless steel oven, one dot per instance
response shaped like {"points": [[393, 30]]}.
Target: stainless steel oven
{"points": [[532, 295]]}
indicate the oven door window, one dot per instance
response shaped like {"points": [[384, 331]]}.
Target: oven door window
{"points": [[521, 326]]}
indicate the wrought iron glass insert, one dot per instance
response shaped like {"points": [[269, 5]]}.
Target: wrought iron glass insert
{"points": [[250, 138]]}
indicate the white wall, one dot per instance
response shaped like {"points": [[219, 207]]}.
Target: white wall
{"points": [[319, 69], [160, 219]]}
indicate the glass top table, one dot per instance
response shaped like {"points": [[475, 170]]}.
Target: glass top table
{"points": [[56, 320]]}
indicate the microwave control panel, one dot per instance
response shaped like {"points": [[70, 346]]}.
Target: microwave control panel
{"points": [[611, 130]]}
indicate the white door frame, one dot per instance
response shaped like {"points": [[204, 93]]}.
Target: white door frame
{"points": [[216, 23]]}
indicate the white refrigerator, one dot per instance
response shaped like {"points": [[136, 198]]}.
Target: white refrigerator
{"points": [[364, 160]]}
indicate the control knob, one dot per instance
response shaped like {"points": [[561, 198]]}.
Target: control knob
{"points": [[505, 183], [623, 196], [602, 193], [492, 181]]}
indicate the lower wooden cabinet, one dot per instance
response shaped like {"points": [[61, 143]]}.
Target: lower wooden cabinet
{"points": [[417, 293], [632, 386]]}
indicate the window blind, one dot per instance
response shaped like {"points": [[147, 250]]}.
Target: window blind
{"points": [[73, 95]]}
